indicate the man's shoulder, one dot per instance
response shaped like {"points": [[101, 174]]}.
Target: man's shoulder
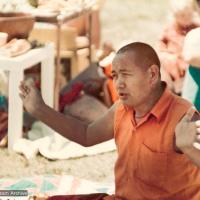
{"points": [[181, 102], [180, 107]]}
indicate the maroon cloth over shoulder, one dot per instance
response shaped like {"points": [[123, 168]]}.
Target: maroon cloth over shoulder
{"points": [[97, 196]]}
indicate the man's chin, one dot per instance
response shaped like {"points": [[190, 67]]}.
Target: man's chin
{"points": [[126, 103]]}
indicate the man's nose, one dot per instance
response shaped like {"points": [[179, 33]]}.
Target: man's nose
{"points": [[120, 83]]}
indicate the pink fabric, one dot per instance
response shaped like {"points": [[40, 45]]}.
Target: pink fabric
{"points": [[170, 49]]}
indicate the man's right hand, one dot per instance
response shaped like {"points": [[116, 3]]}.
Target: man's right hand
{"points": [[31, 98]]}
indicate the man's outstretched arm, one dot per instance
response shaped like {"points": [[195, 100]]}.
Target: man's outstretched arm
{"points": [[73, 129]]}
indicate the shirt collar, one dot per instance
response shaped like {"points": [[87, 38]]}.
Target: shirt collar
{"points": [[162, 104]]}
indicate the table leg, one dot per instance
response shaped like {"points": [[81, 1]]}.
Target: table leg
{"points": [[48, 82], [90, 38], [58, 68], [48, 77], [15, 108]]}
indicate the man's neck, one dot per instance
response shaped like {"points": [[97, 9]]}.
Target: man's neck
{"points": [[143, 110]]}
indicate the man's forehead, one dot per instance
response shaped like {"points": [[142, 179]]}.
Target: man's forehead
{"points": [[125, 58]]}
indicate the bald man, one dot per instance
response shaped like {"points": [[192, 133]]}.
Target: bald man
{"points": [[153, 129]]}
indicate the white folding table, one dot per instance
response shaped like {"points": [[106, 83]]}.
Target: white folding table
{"points": [[15, 66]]}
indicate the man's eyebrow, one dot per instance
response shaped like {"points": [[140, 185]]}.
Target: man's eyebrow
{"points": [[124, 70], [121, 70]]}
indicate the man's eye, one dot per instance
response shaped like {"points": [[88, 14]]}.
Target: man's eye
{"points": [[125, 74], [113, 76]]}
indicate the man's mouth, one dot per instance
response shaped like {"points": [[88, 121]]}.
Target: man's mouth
{"points": [[122, 95]]}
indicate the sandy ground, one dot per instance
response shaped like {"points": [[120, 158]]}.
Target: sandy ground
{"points": [[132, 20]]}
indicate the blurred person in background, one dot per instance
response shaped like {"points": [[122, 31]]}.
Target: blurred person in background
{"points": [[184, 17]]}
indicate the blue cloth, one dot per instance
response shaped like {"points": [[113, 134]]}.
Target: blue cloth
{"points": [[3, 104], [191, 86]]}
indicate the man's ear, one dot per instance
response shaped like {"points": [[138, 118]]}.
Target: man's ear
{"points": [[154, 73]]}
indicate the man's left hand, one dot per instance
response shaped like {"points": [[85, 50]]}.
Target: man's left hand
{"points": [[187, 132]]}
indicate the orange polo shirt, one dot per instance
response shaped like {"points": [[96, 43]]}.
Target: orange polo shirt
{"points": [[148, 168]]}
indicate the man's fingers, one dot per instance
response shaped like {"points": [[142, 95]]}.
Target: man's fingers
{"points": [[27, 89], [22, 96], [24, 88], [22, 84], [198, 130], [198, 137], [196, 145], [197, 123]]}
